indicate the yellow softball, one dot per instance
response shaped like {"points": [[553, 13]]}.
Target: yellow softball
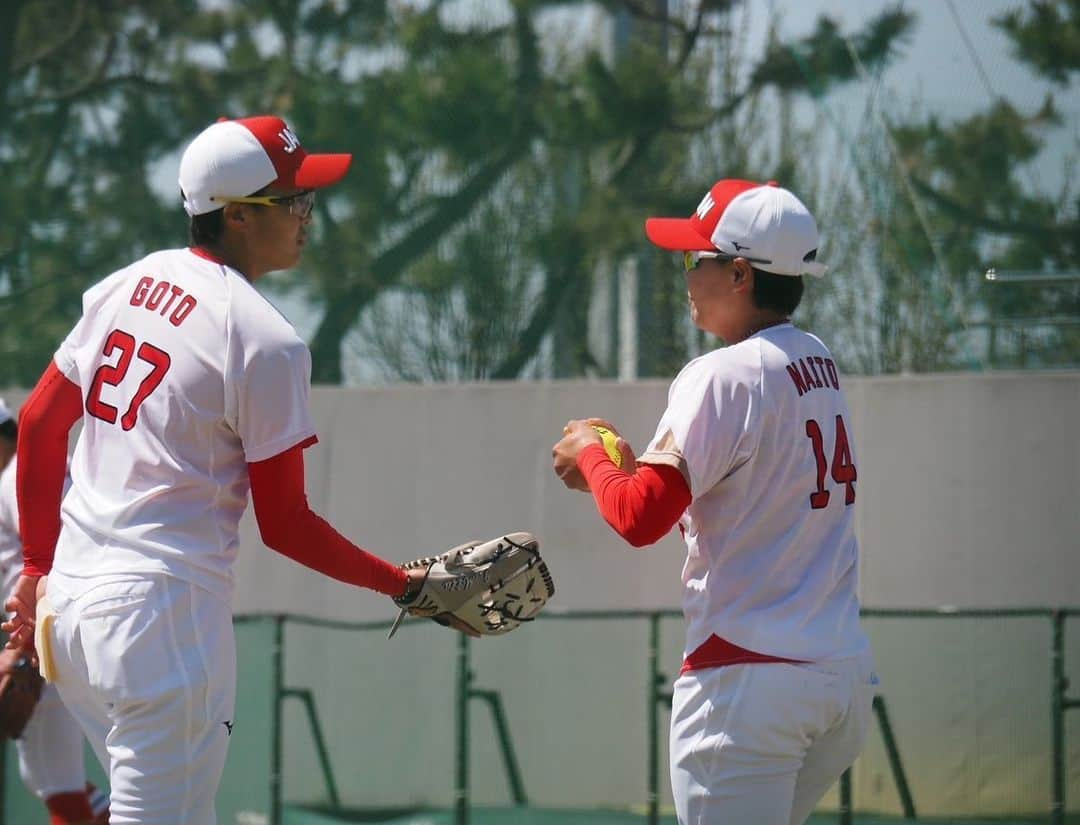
{"points": [[609, 438]]}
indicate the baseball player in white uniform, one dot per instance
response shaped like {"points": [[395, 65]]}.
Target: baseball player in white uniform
{"points": [[192, 390], [753, 459], [50, 748]]}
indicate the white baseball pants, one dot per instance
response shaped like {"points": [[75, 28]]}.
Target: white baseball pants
{"points": [[51, 749], [148, 668], [762, 743]]}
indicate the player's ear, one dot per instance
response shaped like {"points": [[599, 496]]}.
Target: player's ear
{"points": [[235, 215], [742, 275]]}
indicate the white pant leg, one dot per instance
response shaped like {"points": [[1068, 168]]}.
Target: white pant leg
{"points": [[157, 657], [740, 737], [834, 752], [51, 749], [85, 708]]}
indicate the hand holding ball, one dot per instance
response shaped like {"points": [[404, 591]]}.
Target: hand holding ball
{"points": [[577, 437], [610, 444]]}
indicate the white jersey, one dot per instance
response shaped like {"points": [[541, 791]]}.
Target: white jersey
{"points": [[11, 555], [188, 374], [11, 558], [761, 432]]}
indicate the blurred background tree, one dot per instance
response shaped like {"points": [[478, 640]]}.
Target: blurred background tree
{"points": [[933, 204], [506, 155]]}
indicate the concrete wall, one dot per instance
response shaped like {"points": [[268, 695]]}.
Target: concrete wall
{"points": [[967, 492]]}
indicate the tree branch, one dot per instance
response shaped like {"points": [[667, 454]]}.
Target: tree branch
{"points": [[974, 217], [77, 18]]}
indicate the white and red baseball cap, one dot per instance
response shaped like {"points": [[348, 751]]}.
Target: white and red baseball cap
{"points": [[235, 158], [762, 222]]}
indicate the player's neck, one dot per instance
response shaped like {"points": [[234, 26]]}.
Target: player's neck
{"points": [[236, 255], [763, 319]]}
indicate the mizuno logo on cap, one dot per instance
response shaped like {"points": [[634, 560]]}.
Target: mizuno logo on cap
{"points": [[289, 138]]}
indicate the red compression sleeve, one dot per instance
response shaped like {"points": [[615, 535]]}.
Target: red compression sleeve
{"points": [[289, 526], [44, 422], [641, 507]]}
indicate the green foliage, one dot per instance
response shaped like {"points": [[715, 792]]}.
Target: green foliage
{"points": [[504, 157], [1046, 35], [827, 56]]}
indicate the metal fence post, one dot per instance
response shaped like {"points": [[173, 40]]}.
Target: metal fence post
{"points": [[1058, 685], [461, 784], [654, 720], [845, 814], [502, 733], [907, 801], [278, 678]]}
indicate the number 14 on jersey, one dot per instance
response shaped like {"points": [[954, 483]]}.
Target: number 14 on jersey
{"points": [[843, 470]]}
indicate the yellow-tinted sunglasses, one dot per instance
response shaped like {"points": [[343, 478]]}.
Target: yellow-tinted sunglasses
{"points": [[299, 204], [691, 260]]}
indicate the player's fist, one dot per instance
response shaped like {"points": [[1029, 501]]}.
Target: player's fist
{"points": [[629, 460], [577, 435]]}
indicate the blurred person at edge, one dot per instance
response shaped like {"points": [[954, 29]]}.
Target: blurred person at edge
{"points": [[50, 748]]}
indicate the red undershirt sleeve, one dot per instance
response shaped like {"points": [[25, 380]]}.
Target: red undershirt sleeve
{"points": [[289, 526], [642, 507], [44, 422]]}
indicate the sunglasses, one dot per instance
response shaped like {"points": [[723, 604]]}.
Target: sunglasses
{"points": [[299, 204], [692, 260]]}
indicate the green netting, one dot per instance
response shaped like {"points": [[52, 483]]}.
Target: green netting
{"points": [[969, 699], [245, 793], [533, 816]]}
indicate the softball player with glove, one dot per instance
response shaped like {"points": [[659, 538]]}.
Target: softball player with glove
{"points": [[753, 459], [48, 740], [193, 389]]}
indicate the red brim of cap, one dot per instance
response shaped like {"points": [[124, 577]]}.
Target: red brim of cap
{"points": [[317, 171], [676, 234]]}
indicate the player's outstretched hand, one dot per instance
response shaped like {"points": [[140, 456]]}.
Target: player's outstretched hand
{"points": [[22, 607], [417, 578], [481, 587]]}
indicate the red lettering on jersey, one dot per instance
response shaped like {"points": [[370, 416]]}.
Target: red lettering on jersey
{"points": [[843, 470], [813, 369], [834, 379], [149, 294], [810, 382], [112, 376], [800, 384], [183, 310], [819, 499], [158, 292], [172, 297], [141, 288]]}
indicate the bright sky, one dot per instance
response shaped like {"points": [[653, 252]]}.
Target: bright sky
{"points": [[955, 64]]}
